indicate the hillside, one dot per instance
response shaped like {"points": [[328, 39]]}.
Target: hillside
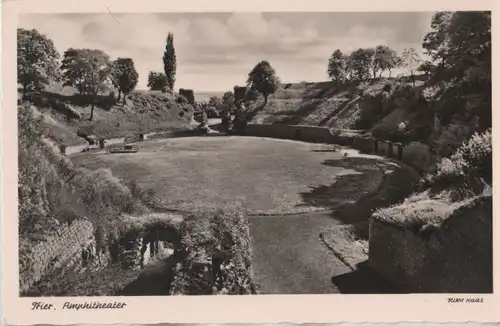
{"points": [[66, 114], [356, 105]]}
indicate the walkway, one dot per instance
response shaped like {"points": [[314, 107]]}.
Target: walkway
{"points": [[288, 256]]}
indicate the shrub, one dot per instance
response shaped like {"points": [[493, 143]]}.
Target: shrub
{"points": [[239, 93], [418, 155], [181, 99], [188, 94], [470, 164], [451, 138], [250, 95], [222, 233], [387, 87]]}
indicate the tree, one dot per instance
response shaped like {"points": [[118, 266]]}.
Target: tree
{"points": [[386, 59], [263, 79], [228, 98], [373, 63], [359, 63], [337, 67], [124, 76], [469, 47], [37, 60], [436, 42], [460, 45], [226, 109], [170, 61], [426, 67], [157, 81], [397, 62], [88, 70], [411, 61], [215, 101]]}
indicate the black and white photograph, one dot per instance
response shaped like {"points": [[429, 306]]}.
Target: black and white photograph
{"points": [[254, 153]]}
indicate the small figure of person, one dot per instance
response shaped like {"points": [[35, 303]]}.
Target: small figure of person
{"points": [[218, 258], [102, 143]]}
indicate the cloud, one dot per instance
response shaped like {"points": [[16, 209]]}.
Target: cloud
{"points": [[215, 51]]}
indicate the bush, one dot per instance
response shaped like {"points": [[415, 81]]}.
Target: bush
{"points": [[472, 162], [181, 99], [418, 155], [450, 138], [239, 93], [188, 94], [251, 95], [208, 236], [387, 87]]}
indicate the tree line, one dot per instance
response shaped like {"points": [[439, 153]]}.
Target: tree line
{"points": [[458, 45], [365, 63], [89, 71]]}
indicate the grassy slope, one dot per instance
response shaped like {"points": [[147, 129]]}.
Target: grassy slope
{"points": [[321, 104], [66, 114]]}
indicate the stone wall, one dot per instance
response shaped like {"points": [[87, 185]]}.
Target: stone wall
{"points": [[415, 154], [367, 145], [73, 246], [454, 258], [313, 134], [384, 148], [280, 131], [283, 131]]}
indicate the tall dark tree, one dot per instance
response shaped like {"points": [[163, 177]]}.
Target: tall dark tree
{"points": [[88, 70], [124, 76], [337, 67], [263, 79], [170, 61], [37, 60], [460, 45], [436, 42]]}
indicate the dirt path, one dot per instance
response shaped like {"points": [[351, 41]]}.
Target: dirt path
{"points": [[288, 256]]}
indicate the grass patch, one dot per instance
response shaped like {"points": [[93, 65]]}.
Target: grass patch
{"points": [[424, 212], [267, 175]]}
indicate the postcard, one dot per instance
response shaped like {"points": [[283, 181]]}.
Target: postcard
{"points": [[216, 162]]}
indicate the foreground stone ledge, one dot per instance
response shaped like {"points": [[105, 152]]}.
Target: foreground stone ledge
{"points": [[454, 258]]}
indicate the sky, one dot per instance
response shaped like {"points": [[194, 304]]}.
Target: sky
{"points": [[216, 51]]}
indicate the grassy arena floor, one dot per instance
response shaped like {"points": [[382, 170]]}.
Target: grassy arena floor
{"points": [[269, 176]]}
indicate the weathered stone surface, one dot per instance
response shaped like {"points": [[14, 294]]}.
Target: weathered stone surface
{"points": [[456, 258]]}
